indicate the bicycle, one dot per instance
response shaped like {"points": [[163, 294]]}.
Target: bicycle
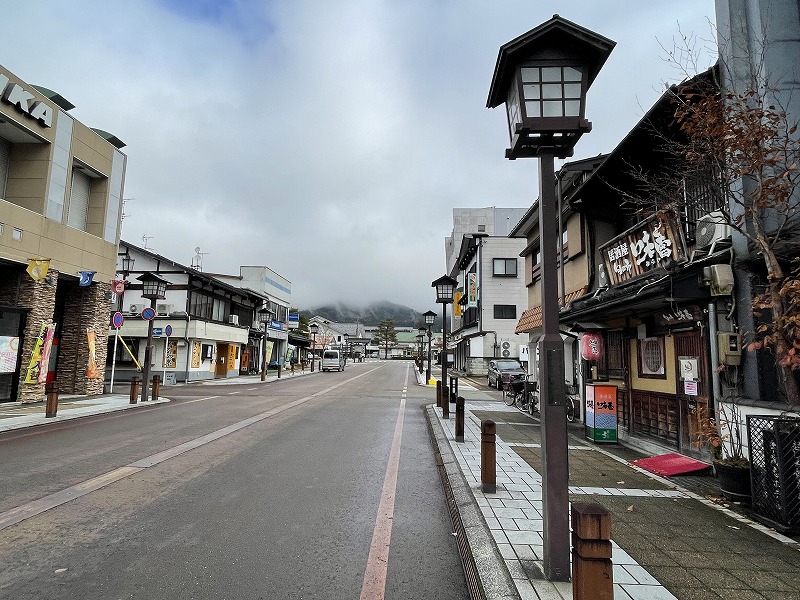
{"points": [[523, 394], [571, 393]]}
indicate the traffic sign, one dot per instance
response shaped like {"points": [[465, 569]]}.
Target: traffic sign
{"points": [[118, 320], [168, 330], [149, 313], [157, 331]]}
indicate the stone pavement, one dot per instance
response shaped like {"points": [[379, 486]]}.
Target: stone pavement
{"points": [[668, 542]]}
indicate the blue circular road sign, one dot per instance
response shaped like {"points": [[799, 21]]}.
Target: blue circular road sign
{"points": [[168, 330], [118, 320], [148, 314]]}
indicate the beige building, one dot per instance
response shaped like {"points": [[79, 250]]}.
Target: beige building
{"points": [[61, 185]]}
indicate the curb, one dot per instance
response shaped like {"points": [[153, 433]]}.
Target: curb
{"points": [[484, 567]]}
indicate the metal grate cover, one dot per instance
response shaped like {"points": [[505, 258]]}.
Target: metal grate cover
{"points": [[775, 470]]}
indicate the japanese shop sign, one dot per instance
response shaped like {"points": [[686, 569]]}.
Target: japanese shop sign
{"points": [[654, 243]]}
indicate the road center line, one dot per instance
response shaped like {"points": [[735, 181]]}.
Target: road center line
{"points": [[374, 586], [36, 507]]}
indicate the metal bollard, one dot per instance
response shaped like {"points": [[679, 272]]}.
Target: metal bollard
{"points": [[438, 394], [592, 570], [156, 387], [488, 456], [445, 402], [460, 419], [135, 381], [51, 389]]}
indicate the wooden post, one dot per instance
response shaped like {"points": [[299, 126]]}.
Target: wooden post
{"points": [[592, 571], [460, 419], [156, 386], [445, 401], [438, 394], [51, 409], [134, 389], [488, 456]]}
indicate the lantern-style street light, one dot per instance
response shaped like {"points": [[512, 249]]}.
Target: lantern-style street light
{"points": [[430, 317], [265, 316], [314, 329], [445, 290], [542, 78], [420, 346], [153, 288]]}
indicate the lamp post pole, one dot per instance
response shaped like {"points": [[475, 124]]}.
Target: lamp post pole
{"points": [[430, 317], [265, 316], [313, 328], [153, 288], [542, 78]]}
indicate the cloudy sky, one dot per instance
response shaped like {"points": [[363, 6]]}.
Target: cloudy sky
{"points": [[327, 139]]}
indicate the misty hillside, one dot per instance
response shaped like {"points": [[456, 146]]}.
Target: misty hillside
{"points": [[373, 314]]}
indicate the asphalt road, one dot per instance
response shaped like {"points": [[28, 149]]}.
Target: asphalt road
{"points": [[321, 486]]}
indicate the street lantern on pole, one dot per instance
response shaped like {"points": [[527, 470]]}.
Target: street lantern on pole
{"points": [[314, 329], [445, 290], [542, 78], [421, 344], [430, 317], [264, 316], [154, 288]]}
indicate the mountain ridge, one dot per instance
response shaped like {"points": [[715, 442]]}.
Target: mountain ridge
{"points": [[372, 314]]}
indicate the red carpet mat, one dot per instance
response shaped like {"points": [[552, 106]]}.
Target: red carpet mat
{"points": [[671, 464]]}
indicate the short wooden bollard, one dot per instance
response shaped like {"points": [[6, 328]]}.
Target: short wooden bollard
{"points": [[135, 381], [156, 386], [592, 571], [460, 419], [51, 409], [488, 456]]}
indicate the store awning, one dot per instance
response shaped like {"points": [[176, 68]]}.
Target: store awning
{"points": [[531, 319]]}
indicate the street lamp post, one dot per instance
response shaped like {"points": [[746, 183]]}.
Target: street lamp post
{"points": [[430, 317], [542, 78], [445, 289], [153, 288], [314, 329], [264, 316], [421, 347]]}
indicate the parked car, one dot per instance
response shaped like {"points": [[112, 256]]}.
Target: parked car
{"points": [[504, 370]]}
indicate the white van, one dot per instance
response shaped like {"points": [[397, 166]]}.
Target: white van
{"points": [[332, 360]]}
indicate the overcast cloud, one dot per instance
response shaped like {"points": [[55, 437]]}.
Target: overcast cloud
{"points": [[327, 139]]}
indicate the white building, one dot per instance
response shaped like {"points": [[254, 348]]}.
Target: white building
{"points": [[491, 293]]}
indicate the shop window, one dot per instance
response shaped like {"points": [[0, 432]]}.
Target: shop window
{"points": [[536, 268], [652, 359], [504, 267], [615, 354], [79, 193]]}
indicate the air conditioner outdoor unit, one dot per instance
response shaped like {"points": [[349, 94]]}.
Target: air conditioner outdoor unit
{"points": [[233, 319], [136, 309], [164, 310], [508, 349], [711, 228], [602, 276]]}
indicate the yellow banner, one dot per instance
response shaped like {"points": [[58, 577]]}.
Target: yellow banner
{"points": [[92, 372], [37, 268], [32, 374], [196, 355], [457, 304]]}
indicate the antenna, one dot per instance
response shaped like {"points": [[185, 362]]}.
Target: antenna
{"points": [[146, 237], [124, 202], [197, 261]]}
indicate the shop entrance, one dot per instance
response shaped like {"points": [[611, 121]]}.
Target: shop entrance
{"points": [[12, 325], [221, 368], [692, 387]]}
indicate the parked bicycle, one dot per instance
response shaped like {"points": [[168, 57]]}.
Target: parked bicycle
{"points": [[573, 401], [522, 393]]}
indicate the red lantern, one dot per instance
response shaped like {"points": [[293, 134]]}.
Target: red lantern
{"points": [[592, 346]]}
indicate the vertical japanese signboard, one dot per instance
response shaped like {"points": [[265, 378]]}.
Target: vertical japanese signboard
{"points": [[601, 413]]}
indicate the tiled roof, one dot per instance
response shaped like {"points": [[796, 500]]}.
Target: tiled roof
{"points": [[531, 319]]}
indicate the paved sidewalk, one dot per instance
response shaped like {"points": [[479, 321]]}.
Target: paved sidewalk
{"points": [[668, 542]]}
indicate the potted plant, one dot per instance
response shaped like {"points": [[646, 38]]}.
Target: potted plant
{"points": [[723, 437]]}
